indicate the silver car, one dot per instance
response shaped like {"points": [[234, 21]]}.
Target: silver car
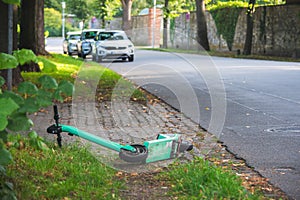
{"points": [[86, 42], [113, 44], [70, 42]]}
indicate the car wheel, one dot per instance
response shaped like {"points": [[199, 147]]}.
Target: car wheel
{"points": [[131, 58], [123, 59], [79, 54], [69, 53], [83, 56]]}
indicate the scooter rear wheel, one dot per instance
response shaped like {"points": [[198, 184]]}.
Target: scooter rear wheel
{"points": [[139, 156]]}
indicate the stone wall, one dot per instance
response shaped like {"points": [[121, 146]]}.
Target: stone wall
{"points": [[276, 31]]}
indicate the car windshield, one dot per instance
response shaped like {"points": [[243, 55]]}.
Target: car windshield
{"points": [[89, 35], [74, 37], [111, 36]]}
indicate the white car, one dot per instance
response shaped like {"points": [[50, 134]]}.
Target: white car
{"points": [[70, 42], [86, 42], [113, 44]]}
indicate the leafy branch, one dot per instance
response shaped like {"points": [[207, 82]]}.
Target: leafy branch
{"points": [[28, 98]]}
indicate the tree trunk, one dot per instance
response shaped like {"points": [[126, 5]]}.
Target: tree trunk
{"points": [[40, 33], [32, 30], [16, 75], [201, 25], [165, 24], [127, 5], [249, 31]]}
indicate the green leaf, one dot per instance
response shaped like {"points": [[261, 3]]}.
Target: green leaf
{"points": [[16, 2], [25, 56], [8, 106], [3, 135], [2, 81], [3, 122], [27, 88], [66, 87], [7, 61], [57, 96], [19, 122], [2, 170], [30, 106], [15, 97], [5, 156], [44, 98], [32, 135], [48, 82]]}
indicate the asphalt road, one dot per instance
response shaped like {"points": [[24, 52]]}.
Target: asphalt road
{"points": [[253, 106]]}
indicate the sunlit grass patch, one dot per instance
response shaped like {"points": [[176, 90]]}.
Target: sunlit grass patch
{"points": [[68, 173], [91, 79], [201, 179]]}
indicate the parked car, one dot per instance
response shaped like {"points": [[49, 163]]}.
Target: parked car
{"points": [[85, 44], [70, 42], [113, 44]]}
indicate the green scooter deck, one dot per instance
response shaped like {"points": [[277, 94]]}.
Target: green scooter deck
{"points": [[163, 148]]}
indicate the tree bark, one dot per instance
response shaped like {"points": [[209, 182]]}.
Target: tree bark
{"points": [[32, 26], [32, 30], [201, 25], [16, 75], [249, 31], [127, 5], [165, 24]]}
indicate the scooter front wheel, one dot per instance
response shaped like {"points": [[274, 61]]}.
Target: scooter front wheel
{"points": [[139, 156]]}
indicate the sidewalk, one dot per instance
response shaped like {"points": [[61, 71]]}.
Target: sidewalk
{"points": [[134, 123]]}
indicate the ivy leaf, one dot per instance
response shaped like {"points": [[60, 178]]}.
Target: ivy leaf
{"points": [[16, 2], [3, 123], [15, 97], [48, 82], [19, 122], [44, 98], [57, 96], [25, 56], [7, 61], [66, 87], [8, 106], [30, 106], [27, 88]]}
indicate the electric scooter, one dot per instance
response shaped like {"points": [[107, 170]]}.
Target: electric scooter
{"points": [[165, 146]]}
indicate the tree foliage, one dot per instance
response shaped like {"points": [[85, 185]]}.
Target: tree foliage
{"points": [[55, 4], [79, 8], [53, 21]]}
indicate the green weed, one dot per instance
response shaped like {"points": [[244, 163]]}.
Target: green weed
{"points": [[201, 179]]}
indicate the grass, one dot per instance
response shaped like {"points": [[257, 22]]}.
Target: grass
{"points": [[72, 172], [201, 179], [67, 173], [86, 76]]}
